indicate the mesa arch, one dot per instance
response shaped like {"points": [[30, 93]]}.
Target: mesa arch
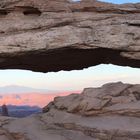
{"points": [[53, 35]]}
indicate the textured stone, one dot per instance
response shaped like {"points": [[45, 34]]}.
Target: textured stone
{"points": [[53, 35], [108, 112], [112, 98]]}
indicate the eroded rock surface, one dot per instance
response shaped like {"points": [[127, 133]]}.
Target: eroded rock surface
{"points": [[110, 112], [53, 35], [115, 98]]}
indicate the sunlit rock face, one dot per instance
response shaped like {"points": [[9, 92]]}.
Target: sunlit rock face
{"points": [[53, 35], [112, 98], [110, 112]]}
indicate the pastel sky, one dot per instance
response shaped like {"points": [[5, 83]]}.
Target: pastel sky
{"points": [[118, 1], [74, 80], [121, 1]]}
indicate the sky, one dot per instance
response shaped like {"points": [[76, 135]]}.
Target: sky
{"points": [[73, 80], [121, 1], [118, 1]]}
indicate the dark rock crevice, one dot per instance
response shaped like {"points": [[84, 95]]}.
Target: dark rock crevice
{"points": [[64, 59], [3, 12], [134, 24], [31, 11]]}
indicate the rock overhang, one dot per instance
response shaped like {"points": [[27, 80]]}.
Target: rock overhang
{"points": [[59, 35]]}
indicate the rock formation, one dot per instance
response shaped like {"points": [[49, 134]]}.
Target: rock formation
{"points": [[4, 110], [110, 112], [115, 99], [53, 35]]}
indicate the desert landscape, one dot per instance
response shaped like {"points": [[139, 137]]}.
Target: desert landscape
{"points": [[103, 113]]}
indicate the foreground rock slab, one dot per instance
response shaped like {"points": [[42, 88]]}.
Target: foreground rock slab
{"points": [[53, 35], [110, 112]]}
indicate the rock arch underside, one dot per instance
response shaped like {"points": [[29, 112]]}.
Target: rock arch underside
{"points": [[53, 35]]}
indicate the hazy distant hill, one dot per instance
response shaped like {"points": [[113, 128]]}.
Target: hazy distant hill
{"points": [[20, 95], [31, 99], [22, 89]]}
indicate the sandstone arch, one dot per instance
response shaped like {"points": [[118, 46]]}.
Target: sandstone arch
{"points": [[53, 35]]}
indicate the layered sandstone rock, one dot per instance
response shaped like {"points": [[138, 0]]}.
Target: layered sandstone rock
{"points": [[53, 35], [115, 99], [110, 112]]}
